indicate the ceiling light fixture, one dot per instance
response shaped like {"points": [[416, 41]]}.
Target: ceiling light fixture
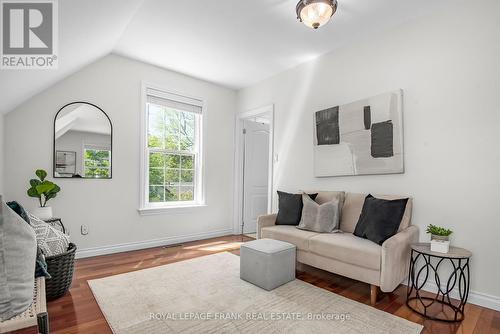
{"points": [[316, 13]]}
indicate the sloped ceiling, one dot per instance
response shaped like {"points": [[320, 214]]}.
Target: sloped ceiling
{"points": [[88, 30], [234, 43]]}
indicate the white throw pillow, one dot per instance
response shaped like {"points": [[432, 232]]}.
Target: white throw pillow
{"points": [[49, 239], [322, 218]]}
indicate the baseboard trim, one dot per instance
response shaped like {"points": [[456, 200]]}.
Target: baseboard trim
{"points": [[126, 247], [476, 298]]}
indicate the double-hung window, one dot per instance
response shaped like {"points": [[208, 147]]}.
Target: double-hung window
{"points": [[96, 161], [172, 152]]}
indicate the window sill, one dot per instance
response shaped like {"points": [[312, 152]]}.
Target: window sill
{"points": [[169, 209]]}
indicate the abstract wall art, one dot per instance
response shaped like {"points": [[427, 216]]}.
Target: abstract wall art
{"points": [[360, 138]]}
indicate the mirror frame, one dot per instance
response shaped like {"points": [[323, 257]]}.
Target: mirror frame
{"points": [[54, 144]]}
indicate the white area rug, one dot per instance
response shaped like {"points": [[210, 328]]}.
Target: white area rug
{"points": [[206, 295]]}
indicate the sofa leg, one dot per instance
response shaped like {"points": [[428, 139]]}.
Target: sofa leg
{"points": [[373, 294], [43, 323]]}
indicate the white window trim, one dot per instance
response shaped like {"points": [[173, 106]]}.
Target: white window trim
{"points": [[146, 208]]}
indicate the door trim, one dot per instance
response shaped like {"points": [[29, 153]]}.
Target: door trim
{"points": [[238, 161]]}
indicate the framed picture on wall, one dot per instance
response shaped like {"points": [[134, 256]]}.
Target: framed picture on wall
{"points": [[65, 163], [360, 138]]}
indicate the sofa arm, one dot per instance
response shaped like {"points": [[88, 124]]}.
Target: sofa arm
{"points": [[265, 221], [396, 258]]}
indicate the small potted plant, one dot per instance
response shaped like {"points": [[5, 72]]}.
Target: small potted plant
{"points": [[44, 190], [440, 238]]}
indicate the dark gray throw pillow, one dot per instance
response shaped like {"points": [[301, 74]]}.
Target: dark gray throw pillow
{"points": [[380, 218], [290, 208]]}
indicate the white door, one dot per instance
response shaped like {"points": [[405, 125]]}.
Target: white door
{"points": [[255, 176]]}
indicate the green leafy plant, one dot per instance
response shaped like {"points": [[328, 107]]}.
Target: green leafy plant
{"points": [[437, 230], [42, 189]]}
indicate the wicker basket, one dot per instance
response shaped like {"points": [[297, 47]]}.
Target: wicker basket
{"points": [[60, 268]]}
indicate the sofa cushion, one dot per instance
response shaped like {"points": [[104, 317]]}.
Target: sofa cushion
{"points": [[380, 218], [322, 218], [347, 248], [327, 196], [289, 234], [17, 263], [290, 208], [353, 205]]}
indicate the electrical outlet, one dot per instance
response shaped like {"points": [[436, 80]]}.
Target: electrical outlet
{"points": [[85, 230]]}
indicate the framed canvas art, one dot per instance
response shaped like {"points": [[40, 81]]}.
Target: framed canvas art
{"points": [[360, 138]]}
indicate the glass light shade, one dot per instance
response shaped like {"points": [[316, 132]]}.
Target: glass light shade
{"points": [[316, 13]]}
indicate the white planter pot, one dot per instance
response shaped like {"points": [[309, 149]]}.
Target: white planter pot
{"points": [[440, 246], [43, 213]]}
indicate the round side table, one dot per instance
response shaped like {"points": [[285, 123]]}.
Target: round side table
{"points": [[441, 303]]}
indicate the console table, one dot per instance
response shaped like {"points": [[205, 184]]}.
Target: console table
{"points": [[440, 304]]}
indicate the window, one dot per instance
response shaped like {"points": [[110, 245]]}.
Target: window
{"points": [[96, 162], [172, 150]]}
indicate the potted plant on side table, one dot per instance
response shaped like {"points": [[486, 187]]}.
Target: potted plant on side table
{"points": [[440, 238], [44, 190]]}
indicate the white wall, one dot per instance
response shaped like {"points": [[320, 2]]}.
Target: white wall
{"points": [[2, 132], [109, 207], [448, 65]]}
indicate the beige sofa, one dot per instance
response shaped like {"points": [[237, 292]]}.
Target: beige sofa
{"points": [[383, 266]]}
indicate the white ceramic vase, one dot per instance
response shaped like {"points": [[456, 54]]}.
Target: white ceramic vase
{"points": [[43, 213]]}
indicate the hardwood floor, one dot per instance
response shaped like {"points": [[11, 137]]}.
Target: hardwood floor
{"points": [[78, 312]]}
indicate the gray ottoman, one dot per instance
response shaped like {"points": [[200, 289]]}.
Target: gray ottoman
{"points": [[267, 263]]}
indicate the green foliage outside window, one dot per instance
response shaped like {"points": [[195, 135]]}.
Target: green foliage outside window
{"points": [[97, 163], [171, 140]]}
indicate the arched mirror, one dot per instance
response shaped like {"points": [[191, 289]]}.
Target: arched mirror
{"points": [[83, 138]]}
